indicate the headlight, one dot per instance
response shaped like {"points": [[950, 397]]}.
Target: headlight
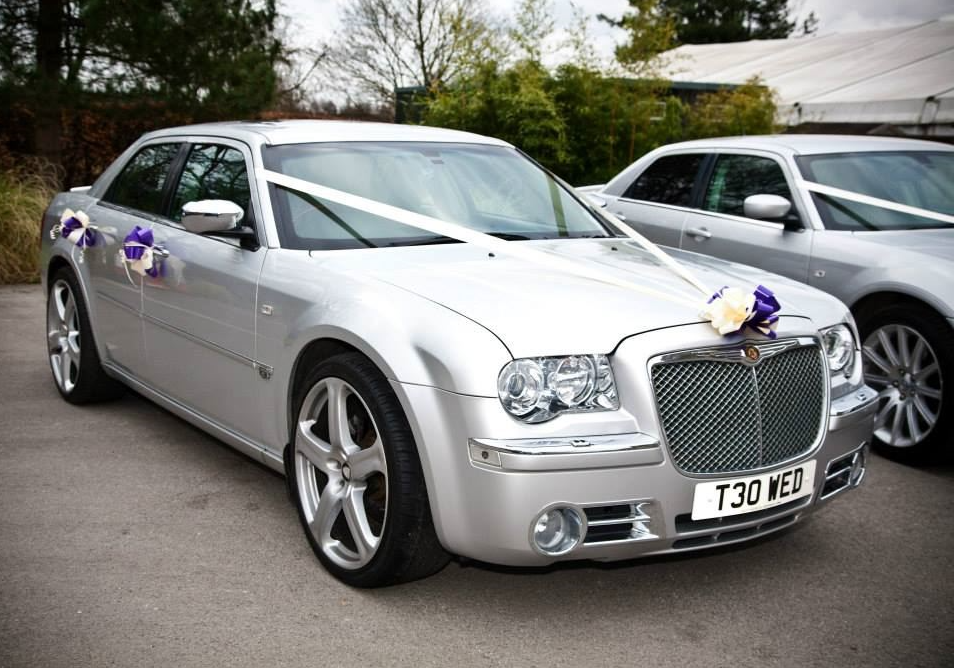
{"points": [[840, 348], [536, 389]]}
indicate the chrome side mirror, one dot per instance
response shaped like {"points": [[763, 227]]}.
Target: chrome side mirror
{"points": [[766, 207], [211, 215]]}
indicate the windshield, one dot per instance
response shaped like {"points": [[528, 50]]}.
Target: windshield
{"points": [[917, 178], [491, 189]]}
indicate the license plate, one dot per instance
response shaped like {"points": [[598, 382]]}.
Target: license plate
{"points": [[723, 498]]}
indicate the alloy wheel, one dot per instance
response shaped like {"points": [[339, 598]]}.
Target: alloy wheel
{"points": [[63, 335], [341, 473], [901, 365]]}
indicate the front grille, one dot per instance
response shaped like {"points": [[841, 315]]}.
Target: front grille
{"points": [[726, 416]]}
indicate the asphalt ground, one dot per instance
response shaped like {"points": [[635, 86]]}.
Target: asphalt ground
{"points": [[129, 538]]}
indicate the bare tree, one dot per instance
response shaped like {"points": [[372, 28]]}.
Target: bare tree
{"points": [[387, 44]]}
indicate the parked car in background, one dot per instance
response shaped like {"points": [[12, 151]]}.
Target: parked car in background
{"points": [[544, 392], [745, 199]]}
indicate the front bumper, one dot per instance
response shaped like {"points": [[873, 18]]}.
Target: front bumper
{"points": [[486, 493]]}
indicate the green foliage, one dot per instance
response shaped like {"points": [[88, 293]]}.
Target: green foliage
{"points": [[651, 31], [514, 104], [748, 109], [587, 127], [727, 20]]}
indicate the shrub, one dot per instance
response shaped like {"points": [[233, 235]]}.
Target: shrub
{"points": [[25, 192]]}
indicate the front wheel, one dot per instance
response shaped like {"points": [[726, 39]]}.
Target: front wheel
{"points": [[907, 358], [357, 479], [76, 367]]}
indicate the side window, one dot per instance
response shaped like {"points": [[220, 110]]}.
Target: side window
{"points": [[736, 177], [213, 172], [140, 184], [669, 180]]}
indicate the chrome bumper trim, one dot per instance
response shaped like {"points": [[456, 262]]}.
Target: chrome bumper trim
{"points": [[560, 454], [853, 407]]}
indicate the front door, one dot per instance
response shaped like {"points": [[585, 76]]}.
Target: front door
{"points": [[720, 227], [200, 310]]}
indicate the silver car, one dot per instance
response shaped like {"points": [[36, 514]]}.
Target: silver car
{"points": [[758, 200], [544, 392]]}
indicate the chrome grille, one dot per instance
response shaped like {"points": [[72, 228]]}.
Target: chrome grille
{"points": [[721, 415]]}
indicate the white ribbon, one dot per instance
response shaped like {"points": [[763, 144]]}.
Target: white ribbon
{"points": [[495, 245], [874, 201], [140, 266]]}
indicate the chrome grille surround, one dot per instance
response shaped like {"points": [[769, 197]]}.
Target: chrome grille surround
{"points": [[729, 409]]}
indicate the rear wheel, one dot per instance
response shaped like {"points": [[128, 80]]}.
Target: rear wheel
{"points": [[357, 479], [907, 358], [76, 367]]}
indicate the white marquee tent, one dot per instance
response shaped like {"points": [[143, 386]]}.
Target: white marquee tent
{"points": [[899, 78]]}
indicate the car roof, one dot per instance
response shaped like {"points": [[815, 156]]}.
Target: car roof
{"points": [[310, 131], [798, 144]]}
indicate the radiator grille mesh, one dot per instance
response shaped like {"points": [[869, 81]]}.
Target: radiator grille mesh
{"points": [[721, 417]]}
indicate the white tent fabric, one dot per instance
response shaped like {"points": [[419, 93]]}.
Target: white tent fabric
{"points": [[899, 76]]}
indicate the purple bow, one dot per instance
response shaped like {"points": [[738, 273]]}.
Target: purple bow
{"points": [[70, 225], [143, 236], [764, 316]]}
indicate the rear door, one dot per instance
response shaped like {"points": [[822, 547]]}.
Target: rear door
{"points": [[135, 197], [720, 227], [657, 201], [200, 310]]}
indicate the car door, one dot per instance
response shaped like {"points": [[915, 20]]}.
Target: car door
{"points": [[133, 198], [200, 310], [656, 202], [719, 227]]}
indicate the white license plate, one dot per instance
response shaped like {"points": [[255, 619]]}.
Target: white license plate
{"points": [[723, 498]]}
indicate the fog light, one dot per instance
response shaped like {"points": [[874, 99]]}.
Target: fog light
{"points": [[556, 531], [857, 472]]}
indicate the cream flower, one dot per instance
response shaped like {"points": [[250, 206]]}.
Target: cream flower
{"points": [[730, 308]]}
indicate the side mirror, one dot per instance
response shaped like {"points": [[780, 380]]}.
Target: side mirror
{"points": [[211, 216], [766, 207]]}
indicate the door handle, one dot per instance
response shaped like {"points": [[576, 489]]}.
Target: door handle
{"points": [[160, 252], [699, 233], [620, 215]]}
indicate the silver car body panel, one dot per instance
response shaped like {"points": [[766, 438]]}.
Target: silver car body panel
{"points": [[217, 337], [849, 265]]}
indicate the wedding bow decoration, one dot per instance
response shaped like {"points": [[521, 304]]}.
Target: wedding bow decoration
{"points": [[75, 227], [138, 252], [730, 310]]}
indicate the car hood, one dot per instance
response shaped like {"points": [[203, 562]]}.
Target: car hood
{"points": [[536, 310]]}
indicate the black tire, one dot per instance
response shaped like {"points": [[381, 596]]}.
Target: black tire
{"points": [[88, 382], [407, 547], [935, 445]]}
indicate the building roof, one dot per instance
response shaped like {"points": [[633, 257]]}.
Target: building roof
{"points": [[899, 76]]}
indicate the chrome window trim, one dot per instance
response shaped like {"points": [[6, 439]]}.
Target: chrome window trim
{"points": [[735, 354]]}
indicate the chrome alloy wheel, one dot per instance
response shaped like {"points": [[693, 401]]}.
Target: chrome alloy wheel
{"points": [[63, 335], [341, 473], [901, 365]]}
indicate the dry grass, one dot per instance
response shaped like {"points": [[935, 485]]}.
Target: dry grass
{"points": [[25, 192]]}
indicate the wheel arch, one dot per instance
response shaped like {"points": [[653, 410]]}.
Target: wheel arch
{"points": [[881, 298]]}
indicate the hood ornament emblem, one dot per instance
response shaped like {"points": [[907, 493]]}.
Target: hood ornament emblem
{"points": [[752, 353]]}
